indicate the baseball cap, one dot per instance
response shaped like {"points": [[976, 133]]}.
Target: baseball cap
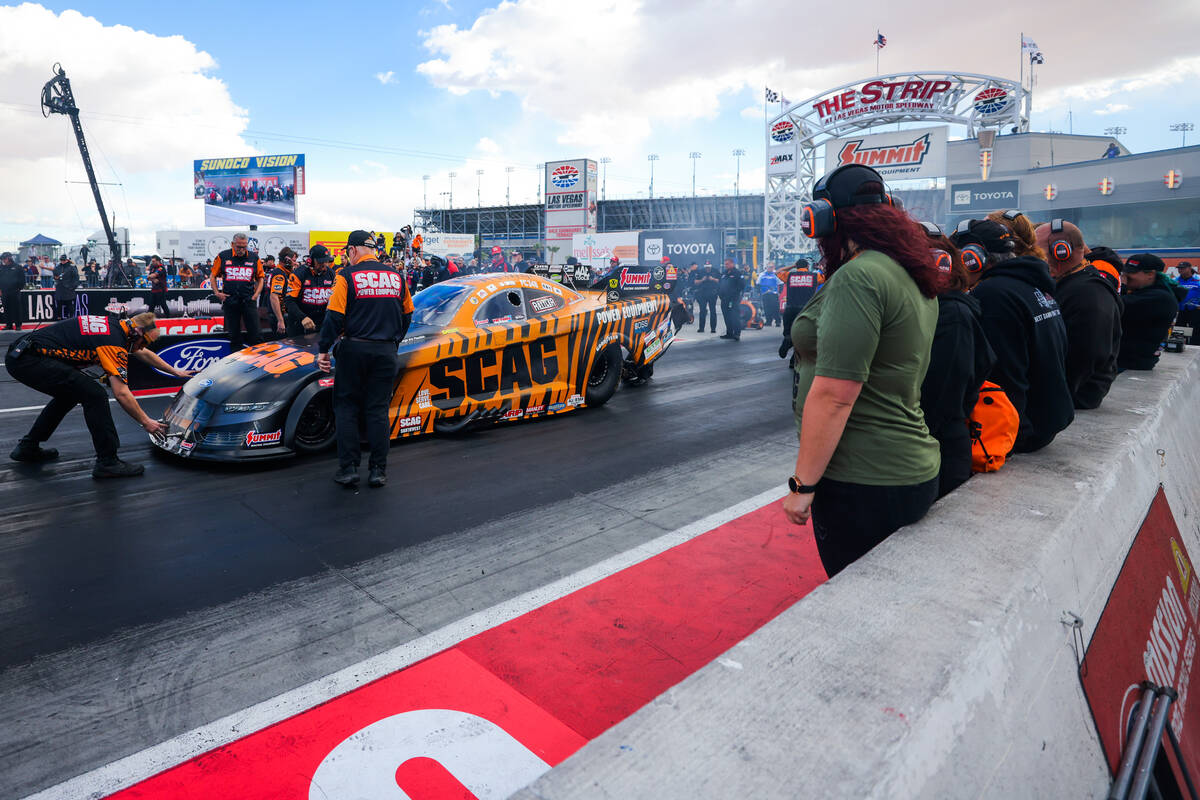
{"points": [[63, 258], [497, 250], [665, 260], [360, 238], [319, 252], [1144, 262], [6, 254], [994, 237]]}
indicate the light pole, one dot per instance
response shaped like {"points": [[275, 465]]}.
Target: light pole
{"points": [[693, 156], [508, 185], [605, 161], [1183, 128], [541, 168], [1116, 130], [453, 175], [652, 158], [737, 191], [478, 181], [425, 190]]}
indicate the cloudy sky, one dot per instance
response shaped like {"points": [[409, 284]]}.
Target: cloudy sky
{"points": [[378, 94]]}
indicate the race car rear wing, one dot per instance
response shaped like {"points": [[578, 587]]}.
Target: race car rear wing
{"points": [[626, 281]]}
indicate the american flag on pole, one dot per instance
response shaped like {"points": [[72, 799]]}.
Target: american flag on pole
{"points": [[880, 40], [1029, 45], [772, 97]]}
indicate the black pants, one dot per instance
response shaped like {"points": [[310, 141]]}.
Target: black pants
{"points": [[66, 305], [12, 308], [732, 312], [770, 303], [238, 310], [1189, 318], [851, 518], [955, 443], [159, 300], [366, 372], [67, 387], [708, 309]]}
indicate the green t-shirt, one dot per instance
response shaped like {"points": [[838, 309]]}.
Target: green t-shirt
{"points": [[870, 323]]}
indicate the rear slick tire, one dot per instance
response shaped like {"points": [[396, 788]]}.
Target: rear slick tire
{"points": [[604, 375]]}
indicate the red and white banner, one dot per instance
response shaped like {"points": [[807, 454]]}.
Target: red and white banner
{"points": [[1148, 631], [897, 155]]}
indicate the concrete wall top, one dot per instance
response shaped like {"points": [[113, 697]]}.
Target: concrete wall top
{"points": [[938, 665]]}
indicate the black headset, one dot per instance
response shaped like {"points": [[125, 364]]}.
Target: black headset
{"points": [[818, 218], [1011, 214], [1060, 248], [973, 255]]}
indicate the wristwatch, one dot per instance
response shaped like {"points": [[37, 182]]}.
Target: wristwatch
{"points": [[797, 487]]}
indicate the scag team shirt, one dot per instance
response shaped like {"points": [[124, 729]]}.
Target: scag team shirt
{"points": [[369, 301], [238, 274], [86, 341], [308, 292]]}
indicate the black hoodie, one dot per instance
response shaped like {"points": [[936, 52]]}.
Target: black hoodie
{"points": [[1025, 328], [1091, 310], [959, 361], [1148, 315]]}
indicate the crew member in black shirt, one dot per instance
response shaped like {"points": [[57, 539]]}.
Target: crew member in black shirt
{"points": [[370, 310], [12, 281], [241, 280], [799, 285], [157, 277], [308, 291], [704, 289], [66, 281], [729, 289], [277, 286], [1150, 308]]}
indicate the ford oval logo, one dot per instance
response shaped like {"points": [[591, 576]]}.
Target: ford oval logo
{"points": [[207, 382], [194, 355]]}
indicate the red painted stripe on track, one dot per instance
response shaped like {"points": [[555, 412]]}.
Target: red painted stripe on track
{"points": [[519, 698]]}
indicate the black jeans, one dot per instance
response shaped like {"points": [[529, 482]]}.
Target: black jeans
{"points": [[366, 372], [65, 305], [708, 309], [12, 308], [238, 310], [770, 302], [67, 387], [159, 300], [851, 518], [732, 312]]}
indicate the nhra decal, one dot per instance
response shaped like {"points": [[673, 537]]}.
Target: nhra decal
{"points": [[274, 357], [256, 439], [479, 377], [93, 326]]}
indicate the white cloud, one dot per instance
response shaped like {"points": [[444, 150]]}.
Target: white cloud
{"points": [[386, 77], [1176, 71], [1111, 108], [144, 125], [752, 113], [488, 146]]}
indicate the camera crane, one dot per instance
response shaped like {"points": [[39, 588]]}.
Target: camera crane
{"points": [[57, 98]]}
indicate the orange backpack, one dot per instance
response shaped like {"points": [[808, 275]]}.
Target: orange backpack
{"points": [[993, 423]]}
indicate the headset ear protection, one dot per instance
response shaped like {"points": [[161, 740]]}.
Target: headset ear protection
{"points": [[1060, 248], [1011, 214], [942, 260], [974, 257], [818, 218], [932, 229]]}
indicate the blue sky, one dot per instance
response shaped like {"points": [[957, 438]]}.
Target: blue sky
{"points": [[476, 86]]}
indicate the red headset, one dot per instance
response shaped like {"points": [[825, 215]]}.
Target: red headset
{"points": [[1060, 248]]}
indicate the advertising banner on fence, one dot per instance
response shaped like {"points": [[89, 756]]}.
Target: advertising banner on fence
{"points": [[249, 190], [682, 246], [445, 244], [782, 159], [1147, 631], [38, 306], [984, 196], [595, 249], [898, 155], [199, 246]]}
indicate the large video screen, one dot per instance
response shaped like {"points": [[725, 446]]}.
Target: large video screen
{"points": [[249, 190]]}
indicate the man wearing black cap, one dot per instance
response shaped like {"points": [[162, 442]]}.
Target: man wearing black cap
{"points": [[308, 291], [369, 310], [240, 274], [66, 281], [729, 289], [704, 287], [12, 281], [1150, 307], [1024, 326], [277, 286]]}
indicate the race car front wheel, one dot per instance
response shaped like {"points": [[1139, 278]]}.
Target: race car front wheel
{"points": [[603, 375], [315, 429]]}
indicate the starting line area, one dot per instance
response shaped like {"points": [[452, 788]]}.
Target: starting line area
{"points": [[485, 706]]}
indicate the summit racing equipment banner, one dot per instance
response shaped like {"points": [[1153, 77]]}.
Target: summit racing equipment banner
{"points": [[1147, 631], [914, 153]]}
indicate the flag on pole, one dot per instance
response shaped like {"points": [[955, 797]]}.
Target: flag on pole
{"points": [[880, 40], [772, 97], [1029, 45], [783, 99], [1037, 57]]}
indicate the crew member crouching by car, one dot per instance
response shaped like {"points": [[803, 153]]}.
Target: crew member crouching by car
{"points": [[370, 309], [308, 292], [50, 359]]}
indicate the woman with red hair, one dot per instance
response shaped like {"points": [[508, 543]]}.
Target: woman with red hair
{"points": [[866, 464]]}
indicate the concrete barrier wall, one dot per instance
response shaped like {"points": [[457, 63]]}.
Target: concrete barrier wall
{"points": [[938, 665]]}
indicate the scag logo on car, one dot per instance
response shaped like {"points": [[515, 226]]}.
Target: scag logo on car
{"points": [[274, 357], [479, 377], [256, 439], [377, 283], [410, 424]]}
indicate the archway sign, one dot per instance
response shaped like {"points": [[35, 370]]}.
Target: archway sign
{"points": [[793, 137]]}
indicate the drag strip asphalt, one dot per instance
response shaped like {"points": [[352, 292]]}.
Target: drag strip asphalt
{"points": [[135, 611]]}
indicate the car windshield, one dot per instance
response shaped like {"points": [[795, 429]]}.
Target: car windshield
{"points": [[436, 305]]}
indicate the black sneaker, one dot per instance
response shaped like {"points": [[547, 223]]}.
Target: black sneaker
{"points": [[347, 476], [377, 478], [29, 450], [116, 469], [726, 336]]}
